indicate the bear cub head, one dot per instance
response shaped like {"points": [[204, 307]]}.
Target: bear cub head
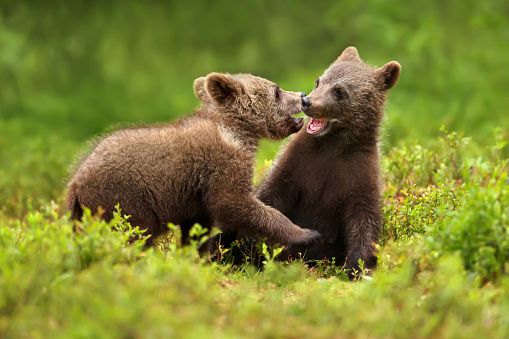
{"points": [[349, 96], [251, 103]]}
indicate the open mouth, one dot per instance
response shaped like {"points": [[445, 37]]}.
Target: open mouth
{"points": [[316, 126], [298, 122]]}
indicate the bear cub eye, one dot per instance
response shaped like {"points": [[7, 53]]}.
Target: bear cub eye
{"points": [[277, 92], [317, 82], [339, 92]]}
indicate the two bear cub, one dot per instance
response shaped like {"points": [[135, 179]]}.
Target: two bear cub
{"points": [[198, 169]]}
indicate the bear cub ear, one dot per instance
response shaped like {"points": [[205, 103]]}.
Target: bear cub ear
{"points": [[349, 54], [387, 76], [199, 89], [222, 88]]}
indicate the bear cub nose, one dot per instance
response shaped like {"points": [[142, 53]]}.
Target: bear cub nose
{"points": [[305, 101]]}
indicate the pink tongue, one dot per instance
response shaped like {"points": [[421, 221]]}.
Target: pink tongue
{"points": [[315, 126]]}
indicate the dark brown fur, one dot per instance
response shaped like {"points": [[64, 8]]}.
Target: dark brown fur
{"points": [[331, 182], [198, 169]]}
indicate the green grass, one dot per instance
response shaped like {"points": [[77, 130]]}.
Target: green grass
{"points": [[442, 270]]}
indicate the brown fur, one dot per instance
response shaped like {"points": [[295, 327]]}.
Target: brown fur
{"points": [[198, 169], [330, 182]]}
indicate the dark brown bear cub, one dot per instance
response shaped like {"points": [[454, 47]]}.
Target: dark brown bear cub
{"points": [[328, 177], [198, 169]]}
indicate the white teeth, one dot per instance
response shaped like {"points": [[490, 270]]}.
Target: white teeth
{"points": [[316, 126]]}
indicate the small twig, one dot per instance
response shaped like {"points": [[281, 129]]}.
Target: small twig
{"points": [[342, 268]]}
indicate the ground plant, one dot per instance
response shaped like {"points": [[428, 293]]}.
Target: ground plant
{"points": [[442, 270]]}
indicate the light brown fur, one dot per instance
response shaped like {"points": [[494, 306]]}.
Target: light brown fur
{"points": [[198, 169]]}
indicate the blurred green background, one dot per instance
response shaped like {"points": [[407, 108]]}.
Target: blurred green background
{"points": [[70, 70]]}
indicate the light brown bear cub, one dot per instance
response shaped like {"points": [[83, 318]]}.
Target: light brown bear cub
{"points": [[198, 169]]}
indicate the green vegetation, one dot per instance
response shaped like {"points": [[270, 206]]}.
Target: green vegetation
{"points": [[71, 71], [442, 273]]}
